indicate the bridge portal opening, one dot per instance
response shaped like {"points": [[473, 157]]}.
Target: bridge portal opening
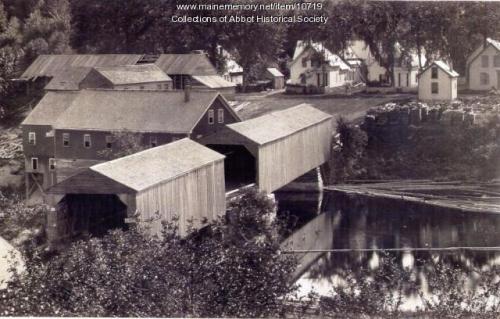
{"points": [[240, 167], [93, 214]]}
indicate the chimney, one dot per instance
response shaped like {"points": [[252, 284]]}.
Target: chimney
{"points": [[187, 90]]}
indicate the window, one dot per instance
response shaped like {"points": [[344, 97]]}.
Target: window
{"points": [[434, 88], [304, 62], [496, 61], [220, 115], [210, 116], [86, 141], [65, 138], [32, 138], [165, 86], [434, 72], [141, 87], [484, 78], [52, 164], [34, 163], [325, 79], [484, 61], [153, 141], [109, 141], [416, 78], [158, 86]]}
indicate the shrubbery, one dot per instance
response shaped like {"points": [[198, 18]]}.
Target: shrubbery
{"points": [[228, 269]]}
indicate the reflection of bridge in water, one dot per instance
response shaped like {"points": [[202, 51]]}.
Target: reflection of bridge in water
{"points": [[352, 228]]}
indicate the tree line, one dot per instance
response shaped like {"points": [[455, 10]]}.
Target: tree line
{"points": [[449, 30]]}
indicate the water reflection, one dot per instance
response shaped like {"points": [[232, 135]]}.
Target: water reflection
{"points": [[338, 221]]}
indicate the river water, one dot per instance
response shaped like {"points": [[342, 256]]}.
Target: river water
{"points": [[330, 220]]}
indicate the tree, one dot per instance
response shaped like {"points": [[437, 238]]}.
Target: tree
{"points": [[124, 143], [216, 272]]}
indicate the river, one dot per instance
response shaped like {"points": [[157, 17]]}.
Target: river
{"points": [[329, 221]]}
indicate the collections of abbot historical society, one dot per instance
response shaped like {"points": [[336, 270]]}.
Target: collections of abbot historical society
{"points": [[251, 19]]}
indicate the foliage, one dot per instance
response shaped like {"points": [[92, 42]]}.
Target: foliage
{"points": [[124, 143], [448, 290], [347, 152], [428, 151], [15, 216], [215, 272]]}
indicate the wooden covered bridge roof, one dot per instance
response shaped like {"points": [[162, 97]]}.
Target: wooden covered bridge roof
{"points": [[280, 124], [140, 171]]}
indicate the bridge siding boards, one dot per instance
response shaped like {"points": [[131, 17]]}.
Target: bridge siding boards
{"points": [[284, 160], [287, 144], [197, 195], [183, 179]]}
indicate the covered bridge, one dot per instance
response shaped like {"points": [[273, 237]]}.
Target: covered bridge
{"points": [[284, 144], [181, 179]]}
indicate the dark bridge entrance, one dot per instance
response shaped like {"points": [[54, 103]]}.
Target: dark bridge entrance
{"points": [[92, 214], [239, 165]]}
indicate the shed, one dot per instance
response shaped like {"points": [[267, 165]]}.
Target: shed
{"points": [[277, 77], [286, 144], [437, 82], [181, 179]]}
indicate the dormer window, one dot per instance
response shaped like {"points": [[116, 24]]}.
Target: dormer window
{"points": [[434, 72], [32, 138], [211, 117]]}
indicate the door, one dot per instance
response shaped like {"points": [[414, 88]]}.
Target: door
{"points": [[399, 79]]}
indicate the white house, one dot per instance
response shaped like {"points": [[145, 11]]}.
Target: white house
{"points": [[233, 72], [406, 69], [313, 64], [358, 50], [483, 66], [437, 82]]}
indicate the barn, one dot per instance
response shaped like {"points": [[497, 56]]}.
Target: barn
{"points": [[182, 179]]}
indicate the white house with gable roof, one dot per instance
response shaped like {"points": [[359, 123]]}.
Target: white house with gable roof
{"points": [[483, 66], [313, 64], [437, 82]]}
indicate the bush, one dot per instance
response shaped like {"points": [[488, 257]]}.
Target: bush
{"points": [[229, 269]]}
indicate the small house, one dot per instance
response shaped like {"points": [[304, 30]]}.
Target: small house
{"points": [[277, 78], [437, 82], [314, 65], [483, 67]]}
